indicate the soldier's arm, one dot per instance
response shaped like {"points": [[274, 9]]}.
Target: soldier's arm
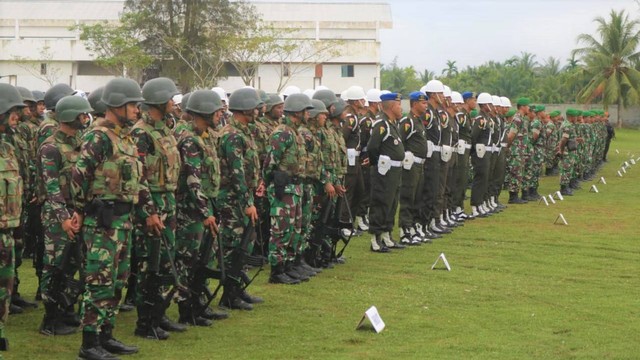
{"points": [[94, 151], [191, 164], [231, 148], [404, 127], [377, 134], [144, 145], [278, 143], [350, 123], [50, 162]]}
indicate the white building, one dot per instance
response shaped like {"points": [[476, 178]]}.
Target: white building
{"points": [[38, 46]]}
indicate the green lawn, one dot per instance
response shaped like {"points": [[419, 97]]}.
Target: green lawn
{"points": [[520, 288]]}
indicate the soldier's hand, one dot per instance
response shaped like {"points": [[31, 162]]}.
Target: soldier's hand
{"points": [[340, 190], [330, 190], [252, 213], [33, 200], [365, 162], [261, 189], [210, 222], [70, 228], [77, 219], [154, 224]]}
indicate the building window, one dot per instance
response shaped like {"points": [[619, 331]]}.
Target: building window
{"points": [[347, 70], [43, 69], [286, 69]]}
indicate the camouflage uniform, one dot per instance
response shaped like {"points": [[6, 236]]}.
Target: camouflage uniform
{"points": [[239, 174], [198, 187], [9, 219], [285, 160], [158, 153], [57, 155], [106, 183], [513, 180], [537, 158], [569, 157], [551, 136], [527, 154]]}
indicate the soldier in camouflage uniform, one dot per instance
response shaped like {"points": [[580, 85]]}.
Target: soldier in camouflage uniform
{"points": [[567, 151], [538, 139], [527, 154], [515, 161], [240, 176], [50, 124], [198, 187], [106, 184], [56, 157], [283, 172], [10, 105], [160, 159], [551, 135]]}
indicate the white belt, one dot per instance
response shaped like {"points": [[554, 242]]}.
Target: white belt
{"points": [[418, 160], [357, 153], [395, 163], [436, 148], [490, 149], [467, 146], [504, 145]]}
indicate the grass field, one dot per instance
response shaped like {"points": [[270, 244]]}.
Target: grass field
{"points": [[520, 288]]}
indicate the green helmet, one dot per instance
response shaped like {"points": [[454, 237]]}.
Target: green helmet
{"points": [[9, 97], [95, 99], [185, 100], [318, 108], [340, 105], [274, 99], [327, 97], [264, 98], [69, 107], [26, 94], [38, 95], [57, 92], [204, 102], [244, 99], [121, 91], [297, 102], [159, 91]]}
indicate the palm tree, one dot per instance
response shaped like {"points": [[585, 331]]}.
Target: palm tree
{"points": [[551, 67], [572, 63], [427, 75], [610, 61], [451, 69], [527, 61]]}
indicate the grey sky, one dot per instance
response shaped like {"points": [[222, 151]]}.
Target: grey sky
{"points": [[427, 33]]}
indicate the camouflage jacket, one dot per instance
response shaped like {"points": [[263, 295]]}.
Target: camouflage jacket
{"points": [[239, 162], [10, 186], [287, 151], [57, 156]]}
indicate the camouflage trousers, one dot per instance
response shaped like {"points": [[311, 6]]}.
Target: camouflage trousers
{"points": [[144, 242], [286, 223], [106, 272], [550, 158], [188, 241], [514, 169], [567, 169], [232, 224], [7, 261], [527, 172], [301, 243], [537, 160], [55, 240]]}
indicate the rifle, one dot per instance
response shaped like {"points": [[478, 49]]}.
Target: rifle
{"points": [[66, 288], [348, 239], [321, 229], [241, 257], [203, 272]]}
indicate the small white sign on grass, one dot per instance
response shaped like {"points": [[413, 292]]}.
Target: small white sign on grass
{"points": [[374, 319]]}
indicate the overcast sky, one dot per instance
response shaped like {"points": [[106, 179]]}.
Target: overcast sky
{"points": [[427, 33]]}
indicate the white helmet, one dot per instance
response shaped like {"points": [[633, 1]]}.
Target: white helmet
{"points": [[177, 99], [80, 93], [220, 91], [290, 90], [309, 93], [433, 86], [456, 98], [447, 91], [373, 95], [505, 101], [382, 92], [321, 87], [354, 93], [495, 100], [484, 98]]}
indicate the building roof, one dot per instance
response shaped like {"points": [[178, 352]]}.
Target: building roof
{"points": [[61, 9]]}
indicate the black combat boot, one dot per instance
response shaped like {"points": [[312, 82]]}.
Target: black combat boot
{"points": [[575, 185], [566, 190], [290, 270], [533, 194], [278, 276], [146, 328], [92, 350], [113, 345], [231, 297], [188, 317], [18, 300], [303, 269], [514, 199], [51, 322], [525, 195]]}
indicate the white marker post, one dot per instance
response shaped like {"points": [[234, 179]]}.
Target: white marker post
{"points": [[560, 217], [559, 195], [593, 188], [602, 180], [543, 198], [551, 198], [444, 260], [619, 174], [374, 318]]}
